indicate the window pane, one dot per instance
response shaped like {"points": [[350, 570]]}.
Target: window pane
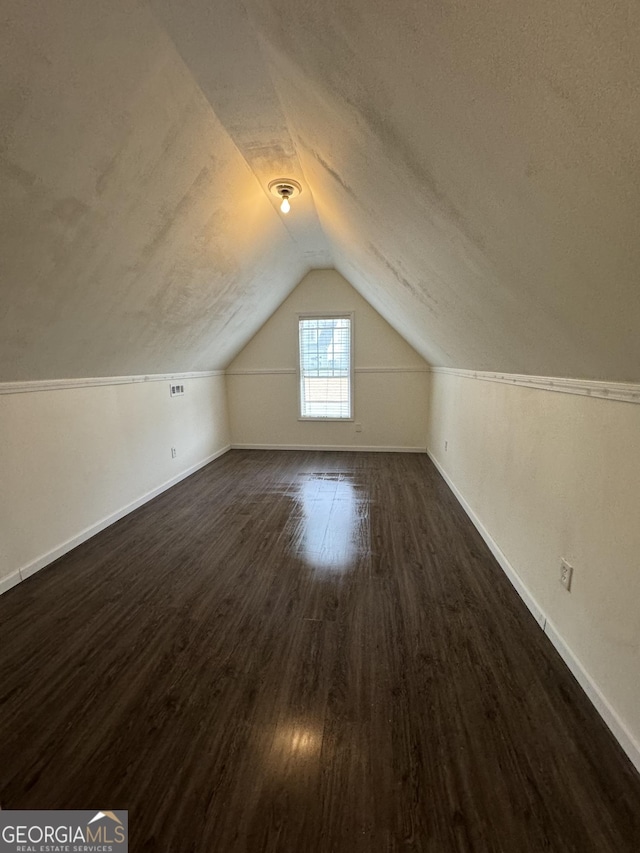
{"points": [[325, 367]]}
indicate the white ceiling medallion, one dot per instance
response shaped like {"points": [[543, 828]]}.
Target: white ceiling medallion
{"points": [[285, 189]]}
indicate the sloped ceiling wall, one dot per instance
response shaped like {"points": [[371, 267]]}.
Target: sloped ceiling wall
{"points": [[470, 167], [134, 235]]}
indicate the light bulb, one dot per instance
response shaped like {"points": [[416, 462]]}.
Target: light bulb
{"points": [[285, 207]]}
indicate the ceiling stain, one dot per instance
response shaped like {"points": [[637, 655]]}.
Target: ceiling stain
{"points": [[69, 210], [350, 192], [416, 292]]}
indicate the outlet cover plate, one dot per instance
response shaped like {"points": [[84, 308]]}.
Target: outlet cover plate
{"points": [[566, 575]]}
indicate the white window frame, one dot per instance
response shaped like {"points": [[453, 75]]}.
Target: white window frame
{"points": [[328, 315]]}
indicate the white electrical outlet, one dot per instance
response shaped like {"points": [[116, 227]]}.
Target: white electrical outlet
{"points": [[566, 574], [446, 446], [358, 427], [173, 453]]}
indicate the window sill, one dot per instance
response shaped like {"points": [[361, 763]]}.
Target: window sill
{"points": [[332, 420]]}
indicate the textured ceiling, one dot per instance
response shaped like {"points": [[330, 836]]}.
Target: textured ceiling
{"points": [[470, 167]]}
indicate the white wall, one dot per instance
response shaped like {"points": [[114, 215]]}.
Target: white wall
{"points": [[553, 475], [391, 382], [75, 459]]}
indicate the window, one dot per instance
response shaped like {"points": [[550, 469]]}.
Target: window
{"points": [[326, 367]]}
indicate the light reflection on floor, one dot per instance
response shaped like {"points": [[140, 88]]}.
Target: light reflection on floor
{"points": [[297, 740], [292, 751], [329, 524]]}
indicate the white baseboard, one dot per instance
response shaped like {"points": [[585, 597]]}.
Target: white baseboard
{"points": [[505, 565], [598, 700], [376, 449], [8, 582], [582, 676], [31, 568]]}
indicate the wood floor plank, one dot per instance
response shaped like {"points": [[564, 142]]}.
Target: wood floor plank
{"points": [[303, 652]]}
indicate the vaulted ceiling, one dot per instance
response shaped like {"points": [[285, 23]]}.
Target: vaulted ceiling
{"points": [[471, 166]]}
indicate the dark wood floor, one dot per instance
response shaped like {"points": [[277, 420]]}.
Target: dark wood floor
{"points": [[303, 652]]}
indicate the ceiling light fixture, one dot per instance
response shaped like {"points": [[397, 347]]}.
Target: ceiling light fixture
{"points": [[285, 189]]}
